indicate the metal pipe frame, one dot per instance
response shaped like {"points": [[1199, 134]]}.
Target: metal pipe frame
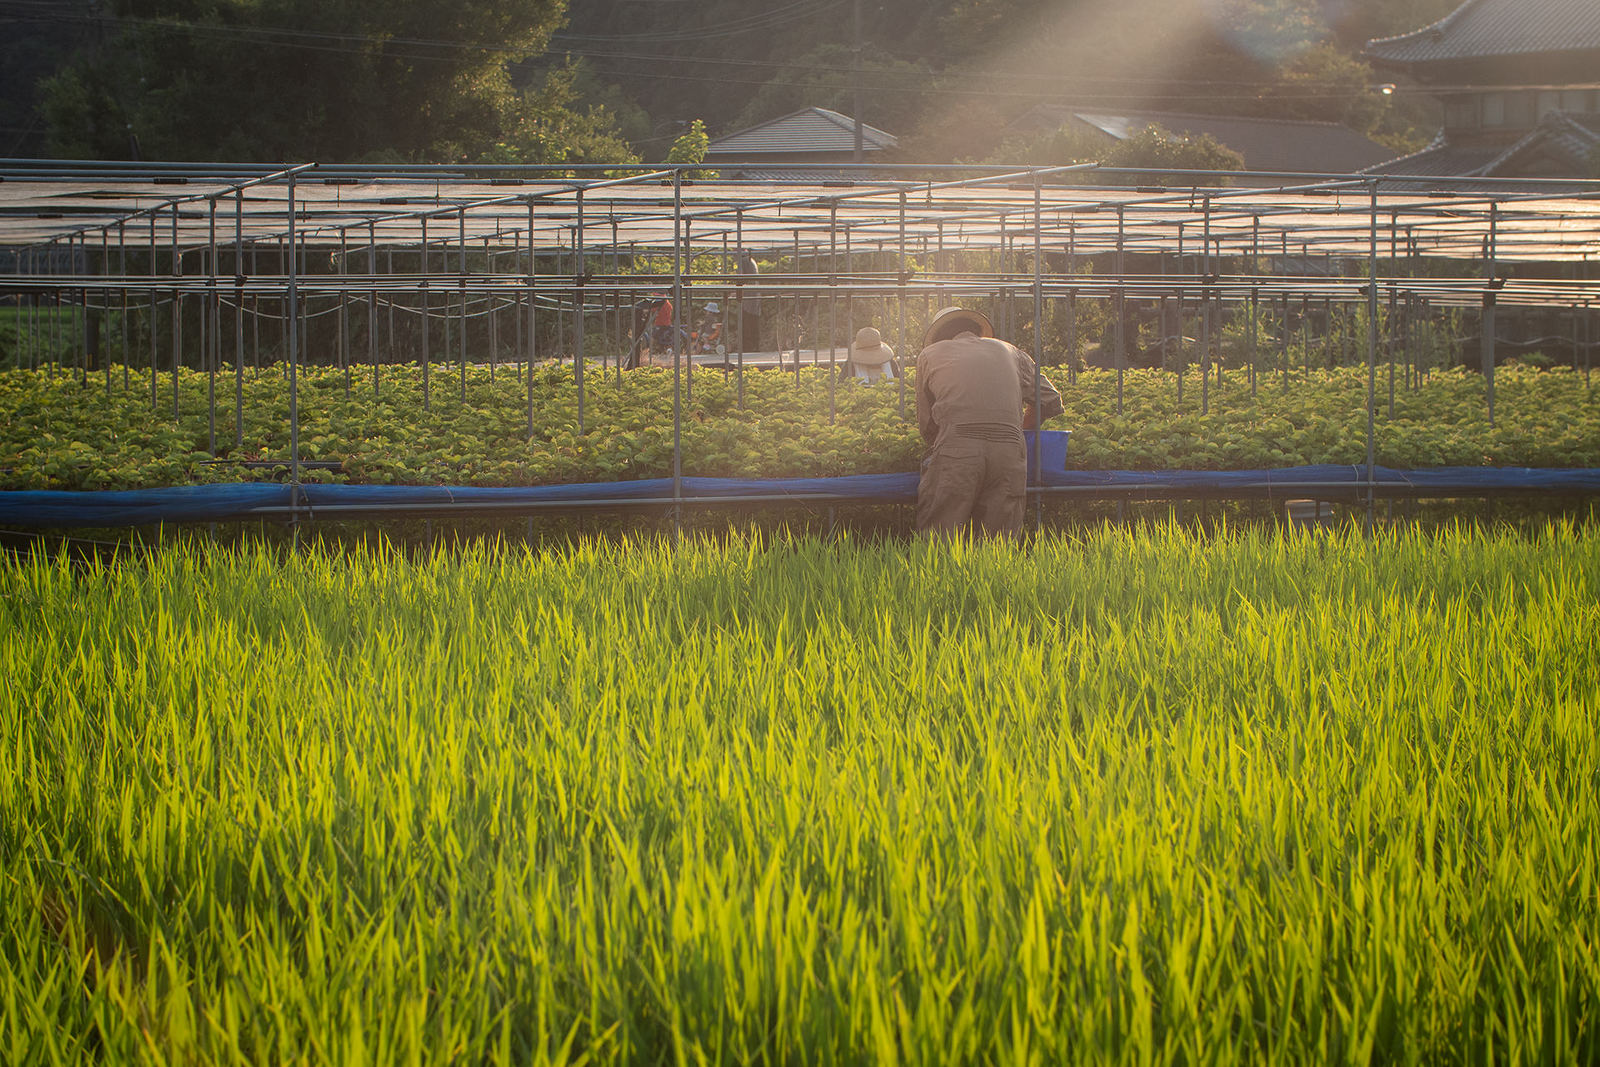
{"points": [[1486, 239]]}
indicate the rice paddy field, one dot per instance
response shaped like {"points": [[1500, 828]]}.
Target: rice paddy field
{"points": [[1128, 796]]}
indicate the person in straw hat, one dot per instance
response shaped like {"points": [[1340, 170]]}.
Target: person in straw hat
{"points": [[972, 389], [870, 359]]}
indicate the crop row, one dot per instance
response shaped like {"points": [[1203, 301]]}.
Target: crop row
{"points": [[61, 431], [1131, 797]]}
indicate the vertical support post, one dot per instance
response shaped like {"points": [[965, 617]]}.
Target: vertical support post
{"points": [[211, 339], [1163, 314], [78, 326], [578, 308], [57, 359], [292, 296], [372, 304], [1182, 359], [343, 322], [238, 318], [1120, 309], [1372, 356], [177, 312], [744, 295], [155, 399], [105, 305], [426, 327], [798, 319], [901, 333], [1390, 318], [32, 350], [849, 293], [1283, 339], [461, 288], [122, 273], [516, 297], [623, 340], [531, 321], [1218, 314], [1038, 348], [255, 315], [1255, 271], [1488, 323], [677, 359], [833, 286], [681, 320], [389, 301], [1072, 305], [494, 305], [725, 269], [1205, 313], [561, 319]]}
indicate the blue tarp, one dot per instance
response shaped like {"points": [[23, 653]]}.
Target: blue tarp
{"points": [[223, 502], [138, 507]]}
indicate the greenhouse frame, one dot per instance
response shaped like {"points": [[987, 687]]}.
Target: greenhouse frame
{"points": [[197, 262]]}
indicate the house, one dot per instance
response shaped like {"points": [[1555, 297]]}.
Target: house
{"points": [[1273, 145], [1515, 78], [770, 150]]}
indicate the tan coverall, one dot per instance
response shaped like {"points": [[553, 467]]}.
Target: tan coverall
{"points": [[970, 396]]}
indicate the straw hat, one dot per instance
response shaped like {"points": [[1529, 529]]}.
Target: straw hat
{"points": [[868, 348], [954, 320]]}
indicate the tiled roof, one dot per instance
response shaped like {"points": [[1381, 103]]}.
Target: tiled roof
{"points": [[1563, 145], [1265, 144], [1572, 138], [813, 129], [1440, 160], [778, 172], [1483, 28]]}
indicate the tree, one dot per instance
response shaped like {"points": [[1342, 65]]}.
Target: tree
{"points": [[1151, 148], [691, 146], [1157, 149], [550, 124], [312, 79]]}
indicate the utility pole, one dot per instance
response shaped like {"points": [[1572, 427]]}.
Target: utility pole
{"points": [[855, 82]]}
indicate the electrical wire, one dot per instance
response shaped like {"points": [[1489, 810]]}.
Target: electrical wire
{"points": [[395, 47]]}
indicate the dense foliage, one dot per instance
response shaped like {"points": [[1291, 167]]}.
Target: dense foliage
{"points": [[1131, 798], [551, 82], [62, 431], [295, 80]]}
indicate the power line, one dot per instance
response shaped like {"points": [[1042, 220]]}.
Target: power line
{"points": [[321, 41], [731, 27]]}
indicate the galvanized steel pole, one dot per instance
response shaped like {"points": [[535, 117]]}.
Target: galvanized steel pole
{"points": [[677, 358], [531, 318], [1487, 342], [292, 296], [1038, 346], [578, 308], [211, 337], [1372, 359], [238, 319], [426, 324]]}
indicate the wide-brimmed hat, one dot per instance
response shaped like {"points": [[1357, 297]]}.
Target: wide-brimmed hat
{"points": [[954, 320], [868, 347], [713, 307]]}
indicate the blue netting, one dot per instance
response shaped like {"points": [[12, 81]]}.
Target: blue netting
{"points": [[219, 503]]}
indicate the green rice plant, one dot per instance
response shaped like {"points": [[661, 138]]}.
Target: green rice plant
{"points": [[1127, 797]]}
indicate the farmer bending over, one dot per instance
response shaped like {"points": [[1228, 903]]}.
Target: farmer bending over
{"points": [[971, 391]]}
